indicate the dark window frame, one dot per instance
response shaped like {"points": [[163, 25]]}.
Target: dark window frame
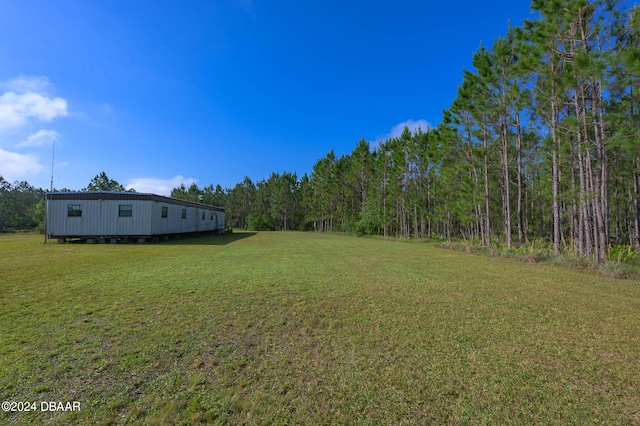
{"points": [[165, 212], [74, 210], [125, 212]]}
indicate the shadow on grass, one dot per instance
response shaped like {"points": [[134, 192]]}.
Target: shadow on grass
{"points": [[211, 240]]}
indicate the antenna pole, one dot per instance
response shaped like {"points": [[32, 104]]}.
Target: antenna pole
{"points": [[53, 153], [46, 204]]}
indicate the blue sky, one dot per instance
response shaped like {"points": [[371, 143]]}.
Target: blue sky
{"points": [[163, 92]]}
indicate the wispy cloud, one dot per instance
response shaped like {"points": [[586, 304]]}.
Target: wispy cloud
{"points": [[41, 137], [413, 125], [16, 166], [26, 84], [16, 110], [27, 99], [24, 102], [158, 186]]}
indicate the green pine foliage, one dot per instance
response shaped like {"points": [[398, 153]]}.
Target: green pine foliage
{"points": [[20, 206], [541, 144]]}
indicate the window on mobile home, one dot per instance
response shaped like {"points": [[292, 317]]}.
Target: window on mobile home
{"points": [[184, 213], [165, 211], [125, 210], [74, 210]]}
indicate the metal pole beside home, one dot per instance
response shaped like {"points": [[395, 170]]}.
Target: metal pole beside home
{"points": [[46, 203]]}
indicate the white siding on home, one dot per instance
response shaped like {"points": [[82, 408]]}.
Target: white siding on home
{"points": [[193, 222], [98, 218], [173, 223], [100, 215]]}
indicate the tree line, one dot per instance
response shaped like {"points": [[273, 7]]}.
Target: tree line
{"points": [[541, 142], [21, 206]]}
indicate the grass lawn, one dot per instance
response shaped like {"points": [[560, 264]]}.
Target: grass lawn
{"points": [[305, 328]]}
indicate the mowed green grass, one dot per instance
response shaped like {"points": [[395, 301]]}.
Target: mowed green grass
{"points": [[305, 328]]}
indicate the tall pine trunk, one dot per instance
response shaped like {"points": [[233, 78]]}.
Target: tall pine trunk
{"points": [[487, 222], [519, 177], [555, 174]]}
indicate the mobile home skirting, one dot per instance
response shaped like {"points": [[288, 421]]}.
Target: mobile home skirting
{"points": [[105, 214]]}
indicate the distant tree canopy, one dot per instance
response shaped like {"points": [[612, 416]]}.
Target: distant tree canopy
{"points": [[207, 195], [101, 182], [542, 142], [21, 206]]}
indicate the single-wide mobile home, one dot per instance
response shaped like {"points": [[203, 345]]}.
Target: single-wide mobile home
{"points": [[127, 215]]}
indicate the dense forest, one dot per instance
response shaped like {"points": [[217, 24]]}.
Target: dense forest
{"points": [[21, 206], [541, 143]]}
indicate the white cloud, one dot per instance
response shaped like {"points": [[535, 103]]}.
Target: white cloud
{"points": [[16, 110], [158, 186], [28, 99], [14, 166], [25, 102], [41, 137], [24, 84], [397, 130]]}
